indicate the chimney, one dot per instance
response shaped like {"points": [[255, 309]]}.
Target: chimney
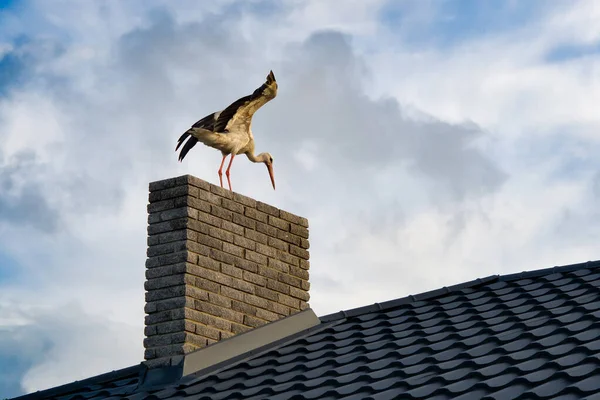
{"points": [[218, 264]]}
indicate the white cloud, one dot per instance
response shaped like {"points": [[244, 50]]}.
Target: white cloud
{"points": [[368, 134]]}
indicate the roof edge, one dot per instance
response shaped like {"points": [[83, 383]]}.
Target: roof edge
{"points": [[551, 270], [105, 377]]}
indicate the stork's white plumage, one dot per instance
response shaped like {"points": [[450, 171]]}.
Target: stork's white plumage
{"points": [[230, 130]]}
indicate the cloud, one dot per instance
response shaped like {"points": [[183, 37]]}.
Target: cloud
{"points": [[418, 165]]}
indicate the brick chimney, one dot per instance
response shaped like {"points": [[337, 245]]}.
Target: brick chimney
{"points": [[219, 264]]}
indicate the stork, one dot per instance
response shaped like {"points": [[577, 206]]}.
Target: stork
{"points": [[229, 130]]}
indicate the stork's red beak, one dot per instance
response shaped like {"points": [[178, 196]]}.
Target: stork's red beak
{"points": [[270, 168]]}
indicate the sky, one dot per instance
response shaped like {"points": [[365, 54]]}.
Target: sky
{"points": [[427, 142]]}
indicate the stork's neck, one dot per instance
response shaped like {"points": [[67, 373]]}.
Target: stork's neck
{"points": [[252, 157]]}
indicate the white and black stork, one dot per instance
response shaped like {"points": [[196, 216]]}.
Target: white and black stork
{"points": [[230, 130]]}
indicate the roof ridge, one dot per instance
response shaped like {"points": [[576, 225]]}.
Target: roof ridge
{"points": [[387, 305]]}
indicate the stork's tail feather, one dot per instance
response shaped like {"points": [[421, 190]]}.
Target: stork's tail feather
{"points": [[191, 142]]}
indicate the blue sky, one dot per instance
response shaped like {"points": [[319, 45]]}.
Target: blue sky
{"points": [[447, 140]]}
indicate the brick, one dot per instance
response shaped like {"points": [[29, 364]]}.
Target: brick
{"points": [[208, 332], [220, 234], [232, 271], [219, 300], [305, 264], [288, 237], [265, 250], [280, 287], [299, 231], [234, 228], [232, 293], [165, 281], [267, 315], [279, 308], [293, 218], [247, 201], [306, 285], [173, 236], [266, 229], [210, 241], [289, 301], [167, 248], [246, 264], [299, 272], [209, 197], [165, 351], [256, 301], [243, 308], [196, 293], [166, 293], [195, 340], [254, 278], [260, 206], [226, 335], [166, 259], [244, 221], [297, 251], [278, 244], [288, 258], [150, 330], [207, 319], [233, 249], [253, 256], [223, 257], [214, 276], [266, 293], [196, 250], [160, 206], [252, 321], [256, 236], [221, 213], [279, 223], [222, 192], [166, 270], [304, 243], [299, 294], [170, 304], [219, 311], [232, 206], [279, 265], [207, 285], [303, 305], [153, 218], [256, 215], [209, 263], [198, 226], [245, 243], [209, 219], [238, 328], [268, 272], [162, 184], [197, 204], [181, 212], [290, 280], [170, 327], [243, 286], [152, 240], [158, 340], [157, 317], [172, 225], [192, 180]]}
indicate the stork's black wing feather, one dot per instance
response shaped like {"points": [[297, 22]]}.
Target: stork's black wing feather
{"points": [[230, 111], [207, 122], [187, 146]]}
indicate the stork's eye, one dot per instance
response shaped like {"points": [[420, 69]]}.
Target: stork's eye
{"points": [[271, 160]]}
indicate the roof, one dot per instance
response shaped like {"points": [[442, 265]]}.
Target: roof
{"points": [[532, 335]]}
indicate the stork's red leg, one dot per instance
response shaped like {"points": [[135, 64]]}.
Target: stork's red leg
{"points": [[228, 168], [221, 169]]}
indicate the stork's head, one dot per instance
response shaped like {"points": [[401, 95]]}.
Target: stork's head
{"points": [[269, 89], [267, 159]]}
